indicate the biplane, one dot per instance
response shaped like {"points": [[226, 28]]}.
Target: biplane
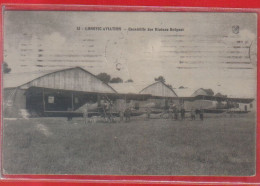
{"points": [[51, 102]]}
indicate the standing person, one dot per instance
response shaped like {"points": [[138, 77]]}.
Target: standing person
{"points": [[148, 113], [69, 114], [170, 113], [201, 114], [121, 115], [109, 111], [176, 113], [182, 113], [192, 114], [231, 112], [106, 111], [85, 115], [127, 114]]}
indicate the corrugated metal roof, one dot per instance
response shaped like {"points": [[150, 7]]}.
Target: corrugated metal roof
{"points": [[46, 79], [18, 79], [200, 91], [126, 88], [135, 88], [184, 92], [159, 89]]}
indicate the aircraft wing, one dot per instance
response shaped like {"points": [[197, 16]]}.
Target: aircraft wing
{"points": [[216, 98]]}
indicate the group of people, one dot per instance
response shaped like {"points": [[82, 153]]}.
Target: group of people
{"points": [[125, 114], [195, 112], [175, 113], [106, 112]]}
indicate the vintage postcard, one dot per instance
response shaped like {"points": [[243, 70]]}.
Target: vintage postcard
{"points": [[129, 93]]}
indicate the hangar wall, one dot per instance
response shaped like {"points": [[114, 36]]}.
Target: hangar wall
{"points": [[14, 103]]}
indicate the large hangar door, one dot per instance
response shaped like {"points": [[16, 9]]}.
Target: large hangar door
{"points": [[58, 100], [34, 101], [41, 100]]}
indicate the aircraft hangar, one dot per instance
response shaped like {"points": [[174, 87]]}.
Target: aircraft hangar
{"points": [[62, 90]]}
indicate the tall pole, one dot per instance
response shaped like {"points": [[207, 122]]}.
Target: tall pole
{"points": [[72, 104]]}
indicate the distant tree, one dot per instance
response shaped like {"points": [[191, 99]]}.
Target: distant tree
{"points": [[6, 69], [220, 95], [209, 92], [129, 81], [104, 77], [170, 86], [160, 78], [116, 80], [181, 87]]}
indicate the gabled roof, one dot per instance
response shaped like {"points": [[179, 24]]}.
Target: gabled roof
{"points": [[184, 92], [124, 88], [163, 84], [200, 92], [19, 80], [128, 88]]}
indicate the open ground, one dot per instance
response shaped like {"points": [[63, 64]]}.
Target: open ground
{"points": [[219, 145]]}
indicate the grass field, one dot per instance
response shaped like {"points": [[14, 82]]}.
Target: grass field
{"points": [[215, 146]]}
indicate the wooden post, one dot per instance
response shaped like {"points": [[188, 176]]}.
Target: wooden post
{"points": [[43, 100]]}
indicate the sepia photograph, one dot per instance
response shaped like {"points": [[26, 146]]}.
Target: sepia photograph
{"points": [[129, 93]]}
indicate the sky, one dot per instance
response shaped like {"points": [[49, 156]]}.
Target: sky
{"points": [[193, 50]]}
